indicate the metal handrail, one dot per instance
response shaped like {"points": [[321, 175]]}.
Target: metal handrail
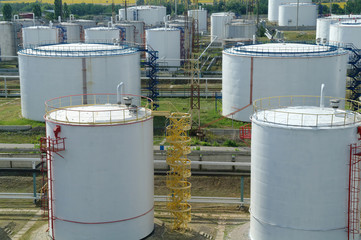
{"points": [[61, 50], [68, 105], [312, 50], [277, 105]]}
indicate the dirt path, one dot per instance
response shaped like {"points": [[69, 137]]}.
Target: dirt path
{"points": [[27, 226]]}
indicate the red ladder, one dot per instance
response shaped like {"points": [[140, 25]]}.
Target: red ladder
{"points": [[245, 133], [354, 192], [48, 146]]}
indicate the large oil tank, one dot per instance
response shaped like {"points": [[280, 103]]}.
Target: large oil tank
{"points": [[323, 28], [102, 34], [300, 168], [307, 14], [67, 69], [167, 42], [323, 25], [278, 69], [218, 25], [139, 34], [186, 28], [273, 8], [346, 32], [150, 15], [102, 182], [241, 28], [7, 41], [71, 32], [200, 15], [40, 35], [127, 32]]}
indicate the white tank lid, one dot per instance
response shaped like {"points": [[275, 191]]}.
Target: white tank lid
{"points": [[102, 29], [162, 29], [99, 114], [38, 27], [308, 117], [299, 4], [98, 109], [305, 111], [285, 50], [78, 50]]}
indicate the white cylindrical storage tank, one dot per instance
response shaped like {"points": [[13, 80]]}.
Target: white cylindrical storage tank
{"points": [[7, 41], [72, 69], [273, 6], [307, 14], [102, 184], [102, 34], [323, 25], [300, 169], [40, 35], [346, 32], [241, 28], [323, 28], [127, 32], [139, 33], [71, 32], [167, 42], [278, 69], [186, 44], [200, 15], [150, 15], [218, 25]]}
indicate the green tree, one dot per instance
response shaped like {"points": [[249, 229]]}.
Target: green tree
{"points": [[37, 10], [58, 11], [7, 12], [66, 11]]}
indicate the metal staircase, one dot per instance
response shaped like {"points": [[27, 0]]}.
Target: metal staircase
{"points": [[152, 69], [354, 82]]}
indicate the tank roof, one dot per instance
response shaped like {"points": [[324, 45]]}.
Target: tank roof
{"points": [[300, 4], [102, 28], [356, 23], [6, 22], [99, 109], [285, 50], [38, 27], [78, 50], [223, 14], [163, 29], [146, 7], [304, 112]]}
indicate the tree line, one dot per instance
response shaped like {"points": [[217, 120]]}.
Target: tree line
{"points": [[239, 7]]}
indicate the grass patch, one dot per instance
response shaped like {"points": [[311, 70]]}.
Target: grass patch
{"points": [[21, 137], [208, 112], [10, 113], [209, 186], [300, 35]]}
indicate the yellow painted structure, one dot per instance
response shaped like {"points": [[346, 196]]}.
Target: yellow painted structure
{"points": [[180, 170]]}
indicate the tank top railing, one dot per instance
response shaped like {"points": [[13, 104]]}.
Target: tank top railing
{"points": [[66, 50], [273, 110], [279, 51], [74, 109]]}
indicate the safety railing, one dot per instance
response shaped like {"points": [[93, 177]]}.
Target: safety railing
{"points": [[286, 51], [77, 50], [98, 109], [335, 111]]}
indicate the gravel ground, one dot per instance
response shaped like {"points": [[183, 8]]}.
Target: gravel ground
{"points": [[240, 233]]}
